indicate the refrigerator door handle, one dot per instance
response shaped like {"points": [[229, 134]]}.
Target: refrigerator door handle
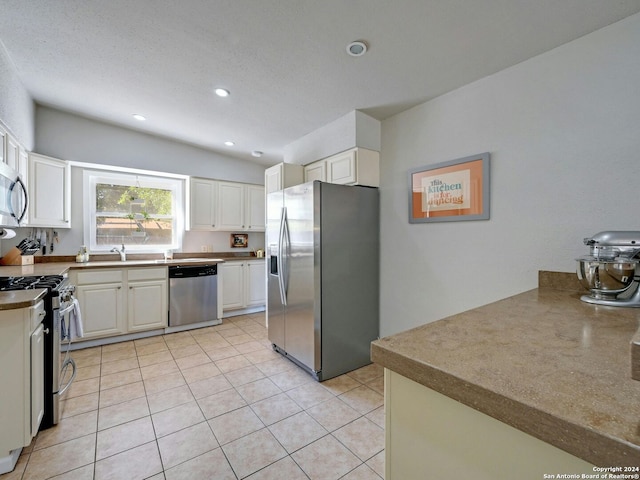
{"points": [[281, 261]]}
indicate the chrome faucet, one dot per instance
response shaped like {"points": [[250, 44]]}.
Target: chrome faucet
{"points": [[123, 255]]}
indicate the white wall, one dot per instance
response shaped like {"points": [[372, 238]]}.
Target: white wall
{"points": [[71, 137], [16, 106], [563, 130]]}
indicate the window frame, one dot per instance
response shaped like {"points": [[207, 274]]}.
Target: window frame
{"points": [[91, 178]]}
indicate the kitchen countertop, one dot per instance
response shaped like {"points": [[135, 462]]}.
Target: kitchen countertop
{"points": [[58, 266], [542, 361]]}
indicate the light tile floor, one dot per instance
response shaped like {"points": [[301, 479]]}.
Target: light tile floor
{"points": [[212, 403]]}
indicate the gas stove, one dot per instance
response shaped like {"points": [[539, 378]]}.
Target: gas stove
{"points": [[50, 282]]}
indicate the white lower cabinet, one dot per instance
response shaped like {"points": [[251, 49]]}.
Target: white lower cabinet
{"points": [[243, 284], [22, 379], [107, 312], [147, 299]]}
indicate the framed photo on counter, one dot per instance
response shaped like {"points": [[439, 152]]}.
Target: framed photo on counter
{"points": [[239, 240], [450, 191]]}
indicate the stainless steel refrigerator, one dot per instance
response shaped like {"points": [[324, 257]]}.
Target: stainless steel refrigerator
{"points": [[323, 247]]}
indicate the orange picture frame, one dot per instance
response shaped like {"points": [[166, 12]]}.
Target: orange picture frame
{"points": [[450, 191]]}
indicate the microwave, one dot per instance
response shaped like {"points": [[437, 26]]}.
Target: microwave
{"points": [[13, 197]]}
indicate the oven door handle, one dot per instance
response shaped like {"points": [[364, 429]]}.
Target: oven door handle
{"points": [[68, 361]]}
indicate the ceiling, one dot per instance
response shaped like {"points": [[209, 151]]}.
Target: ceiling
{"points": [[284, 61]]}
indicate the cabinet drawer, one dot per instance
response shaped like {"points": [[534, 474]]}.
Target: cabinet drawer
{"points": [[152, 273], [99, 276]]}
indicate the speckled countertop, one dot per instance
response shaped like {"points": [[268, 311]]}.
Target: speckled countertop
{"points": [[542, 361]]}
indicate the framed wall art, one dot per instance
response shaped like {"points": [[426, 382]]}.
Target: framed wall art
{"points": [[239, 240], [450, 191]]}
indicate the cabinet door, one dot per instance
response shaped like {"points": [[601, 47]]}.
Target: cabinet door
{"points": [[273, 178], [102, 309], [316, 171], [37, 379], [147, 305], [342, 168], [12, 152], [254, 211], [256, 278], [3, 144], [202, 203], [230, 206], [50, 193], [232, 285]]}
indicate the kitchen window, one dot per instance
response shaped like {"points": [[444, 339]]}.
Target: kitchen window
{"points": [[139, 211]]}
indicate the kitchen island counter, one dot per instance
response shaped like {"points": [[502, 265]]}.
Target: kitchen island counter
{"points": [[542, 361]]}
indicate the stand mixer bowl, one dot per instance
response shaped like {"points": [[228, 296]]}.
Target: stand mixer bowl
{"points": [[606, 278]]}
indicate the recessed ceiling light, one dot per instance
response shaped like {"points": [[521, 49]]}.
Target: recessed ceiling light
{"points": [[222, 92], [140, 118], [357, 48], [229, 143], [256, 153]]}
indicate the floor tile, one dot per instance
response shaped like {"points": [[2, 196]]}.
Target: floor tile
{"points": [[290, 378], [209, 386], [82, 473], [221, 403], [363, 437], [83, 387], [377, 384], [122, 413], [232, 363], [151, 348], [74, 427], [124, 437], [118, 379], [367, 373], [244, 375], [276, 366], [182, 351], [280, 470], [333, 414], [169, 398], [165, 382], [195, 374], [363, 472], [261, 356], [238, 339], [297, 431], [341, 384], [119, 365], [273, 409], [123, 393], [218, 353], [309, 394], [61, 458], [264, 449], [186, 444], [121, 354], [377, 416], [250, 346], [153, 358], [377, 464], [362, 399], [159, 370], [78, 405], [258, 390], [177, 418], [211, 465], [87, 372], [199, 358], [235, 424], [326, 459], [128, 465]]}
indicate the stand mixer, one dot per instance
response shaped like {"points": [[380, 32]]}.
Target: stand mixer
{"points": [[612, 269]]}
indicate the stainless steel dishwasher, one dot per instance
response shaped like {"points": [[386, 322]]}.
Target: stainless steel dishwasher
{"points": [[193, 294]]}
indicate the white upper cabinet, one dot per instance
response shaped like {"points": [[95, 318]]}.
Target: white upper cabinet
{"points": [[231, 206], [203, 204], [49, 192], [316, 171], [357, 166], [226, 206], [281, 176]]}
